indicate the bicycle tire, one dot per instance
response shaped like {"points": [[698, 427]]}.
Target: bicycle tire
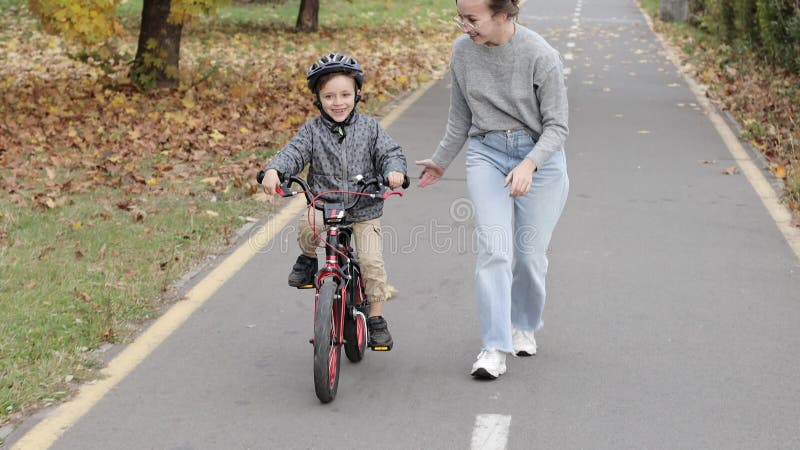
{"points": [[355, 327], [327, 352]]}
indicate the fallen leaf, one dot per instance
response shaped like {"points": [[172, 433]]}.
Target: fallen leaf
{"points": [[217, 136], [729, 171], [44, 253], [107, 335], [778, 170], [708, 161], [82, 296]]}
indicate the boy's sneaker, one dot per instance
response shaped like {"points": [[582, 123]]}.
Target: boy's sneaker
{"points": [[524, 342], [303, 272], [379, 337], [491, 364]]}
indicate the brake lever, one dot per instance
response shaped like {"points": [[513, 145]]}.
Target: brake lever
{"points": [[285, 192], [387, 193]]}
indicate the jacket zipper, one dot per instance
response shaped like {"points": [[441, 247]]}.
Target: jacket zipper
{"points": [[346, 184]]}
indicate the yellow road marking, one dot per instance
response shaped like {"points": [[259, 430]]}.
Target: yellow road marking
{"points": [[771, 200], [45, 433]]}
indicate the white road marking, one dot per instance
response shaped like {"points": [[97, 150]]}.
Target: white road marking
{"points": [[490, 432]]}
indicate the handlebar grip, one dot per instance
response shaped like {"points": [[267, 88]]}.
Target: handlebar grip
{"points": [[406, 182], [284, 190], [262, 173]]}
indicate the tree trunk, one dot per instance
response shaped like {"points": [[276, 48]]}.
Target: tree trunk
{"points": [[308, 17], [674, 10], [158, 55]]}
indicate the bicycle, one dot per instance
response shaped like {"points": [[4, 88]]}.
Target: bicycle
{"points": [[338, 323]]}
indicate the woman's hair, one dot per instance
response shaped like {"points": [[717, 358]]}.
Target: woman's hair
{"points": [[510, 7]]}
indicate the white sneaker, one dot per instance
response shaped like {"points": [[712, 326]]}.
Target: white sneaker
{"points": [[491, 364], [524, 342]]}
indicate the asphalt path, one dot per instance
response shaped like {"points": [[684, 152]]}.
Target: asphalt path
{"points": [[672, 315]]}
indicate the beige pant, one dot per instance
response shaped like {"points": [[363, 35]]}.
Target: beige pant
{"points": [[369, 247]]}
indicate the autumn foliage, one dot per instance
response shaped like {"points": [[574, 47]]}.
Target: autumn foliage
{"points": [[71, 127]]}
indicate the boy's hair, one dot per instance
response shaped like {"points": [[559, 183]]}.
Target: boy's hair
{"points": [[324, 79]]}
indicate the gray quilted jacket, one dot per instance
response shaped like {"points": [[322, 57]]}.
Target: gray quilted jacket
{"points": [[365, 150]]}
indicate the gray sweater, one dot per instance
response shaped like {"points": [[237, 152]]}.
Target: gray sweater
{"points": [[519, 84]]}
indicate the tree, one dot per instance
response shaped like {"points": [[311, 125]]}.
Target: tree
{"points": [[674, 10], [93, 24], [159, 50], [308, 17]]}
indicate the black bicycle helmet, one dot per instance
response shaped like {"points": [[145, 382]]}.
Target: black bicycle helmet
{"points": [[333, 63]]}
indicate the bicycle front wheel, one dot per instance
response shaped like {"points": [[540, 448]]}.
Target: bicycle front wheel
{"points": [[327, 352], [355, 324]]}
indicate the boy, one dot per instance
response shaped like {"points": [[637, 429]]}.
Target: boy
{"points": [[339, 144]]}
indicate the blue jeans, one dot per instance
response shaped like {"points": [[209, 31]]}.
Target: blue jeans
{"points": [[513, 234]]}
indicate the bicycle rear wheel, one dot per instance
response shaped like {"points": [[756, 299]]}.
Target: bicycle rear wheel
{"points": [[327, 351]]}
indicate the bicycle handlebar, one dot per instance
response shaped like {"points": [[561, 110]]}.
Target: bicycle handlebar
{"points": [[382, 192]]}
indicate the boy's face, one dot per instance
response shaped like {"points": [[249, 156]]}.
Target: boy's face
{"points": [[338, 96]]}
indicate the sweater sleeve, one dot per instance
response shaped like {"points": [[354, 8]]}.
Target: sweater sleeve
{"points": [[552, 96], [459, 121], [295, 155], [389, 155]]}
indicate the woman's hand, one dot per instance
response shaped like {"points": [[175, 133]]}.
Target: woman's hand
{"points": [[521, 178], [271, 182], [395, 179], [431, 172]]}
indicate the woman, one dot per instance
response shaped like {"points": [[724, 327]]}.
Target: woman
{"points": [[509, 99]]}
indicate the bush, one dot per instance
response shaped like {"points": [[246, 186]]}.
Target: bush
{"points": [[768, 27], [779, 31]]}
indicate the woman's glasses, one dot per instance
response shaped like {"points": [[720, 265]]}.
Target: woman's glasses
{"points": [[465, 26]]}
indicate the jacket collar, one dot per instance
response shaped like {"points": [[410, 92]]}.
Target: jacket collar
{"points": [[339, 128]]}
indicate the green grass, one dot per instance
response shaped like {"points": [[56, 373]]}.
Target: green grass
{"points": [[650, 7], [7, 4], [91, 272], [332, 13]]}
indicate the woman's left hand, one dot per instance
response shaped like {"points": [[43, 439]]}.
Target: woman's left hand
{"points": [[521, 177]]}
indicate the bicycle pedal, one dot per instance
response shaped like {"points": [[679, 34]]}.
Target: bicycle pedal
{"points": [[381, 348], [306, 286]]}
